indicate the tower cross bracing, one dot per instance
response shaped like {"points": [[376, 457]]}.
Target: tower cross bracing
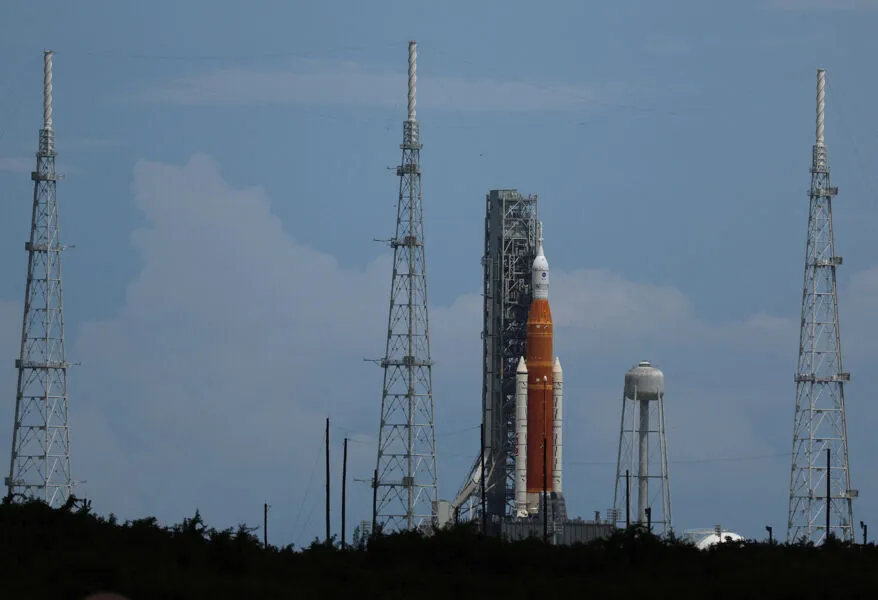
{"points": [[40, 461], [819, 421], [406, 468]]}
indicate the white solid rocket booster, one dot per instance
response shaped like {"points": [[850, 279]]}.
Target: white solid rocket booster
{"points": [[521, 439], [557, 421]]}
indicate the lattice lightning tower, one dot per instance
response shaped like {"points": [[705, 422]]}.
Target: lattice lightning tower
{"points": [[406, 481], [819, 418], [40, 462]]}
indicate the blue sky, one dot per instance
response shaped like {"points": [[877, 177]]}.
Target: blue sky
{"points": [[227, 171]]}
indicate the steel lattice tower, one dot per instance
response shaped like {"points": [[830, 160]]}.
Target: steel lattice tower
{"points": [[819, 423], [406, 471], [40, 462]]}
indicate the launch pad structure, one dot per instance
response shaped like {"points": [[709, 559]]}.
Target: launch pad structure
{"points": [[511, 265], [511, 223]]}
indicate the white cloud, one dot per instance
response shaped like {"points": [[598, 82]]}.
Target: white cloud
{"points": [[209, 387], [235, 342], [613, 313], [323, 82]]}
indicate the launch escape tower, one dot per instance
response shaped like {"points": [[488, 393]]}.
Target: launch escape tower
{"points": [[40, 463], [510, 250], [406, 469], [819, 429], [643, 420]]}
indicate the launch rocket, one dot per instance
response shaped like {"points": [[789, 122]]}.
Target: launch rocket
{"points": [[539, 395]]}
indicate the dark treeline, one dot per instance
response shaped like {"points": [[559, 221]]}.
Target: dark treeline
{"points": [[71, 552]]}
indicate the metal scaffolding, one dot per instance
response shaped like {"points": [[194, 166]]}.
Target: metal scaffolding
{"points": [[510, 248]]}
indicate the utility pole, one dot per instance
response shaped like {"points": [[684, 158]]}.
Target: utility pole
{"points": [[770, 536], [327, 482], [627, 500], [828, 493], [375, 503], [344, 486], [545, 497], [482, 484], [545, 466], [265, 525]]}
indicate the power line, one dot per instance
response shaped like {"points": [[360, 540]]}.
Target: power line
{"points": [[694, 460], [585, 99], [457, 431], [214, 57], [308, 487], [372, 441], [731, 458]]}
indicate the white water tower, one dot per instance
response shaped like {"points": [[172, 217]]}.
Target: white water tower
{"points": [[646, 464]]}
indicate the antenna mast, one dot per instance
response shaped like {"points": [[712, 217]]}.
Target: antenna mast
{"points": [[40, 462], [819, 423], [406, 481]]}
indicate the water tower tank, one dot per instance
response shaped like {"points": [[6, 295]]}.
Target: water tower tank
{"points": [[649, 382]]}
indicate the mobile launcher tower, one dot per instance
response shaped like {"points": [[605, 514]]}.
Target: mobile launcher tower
{"points": [[516, 480], [511, 222]]}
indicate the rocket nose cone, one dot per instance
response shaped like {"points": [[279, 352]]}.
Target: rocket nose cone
{"points": [[540, 271], [522, 366], [540, 263], [556, 368]]}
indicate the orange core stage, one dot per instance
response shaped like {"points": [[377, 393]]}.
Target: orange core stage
{"points": [[540, 403]]}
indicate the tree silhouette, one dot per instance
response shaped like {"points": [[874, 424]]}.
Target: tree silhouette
{"points": [[138, 559]]}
